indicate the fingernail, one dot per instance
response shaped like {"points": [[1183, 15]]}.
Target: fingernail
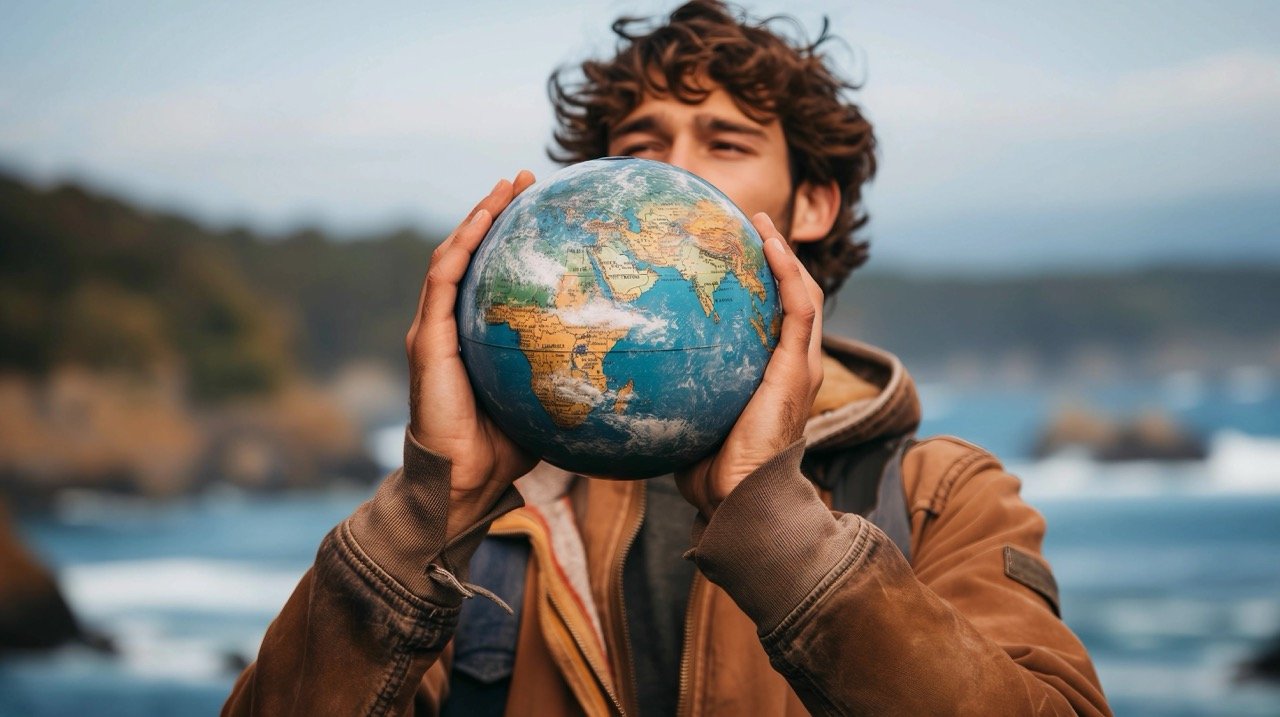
{"points": [[777, 243], [495, 187], [480, 215]]}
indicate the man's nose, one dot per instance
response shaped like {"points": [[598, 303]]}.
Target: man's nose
{"points": [[683, 155]]}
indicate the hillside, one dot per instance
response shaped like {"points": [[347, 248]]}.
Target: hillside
{"points": [[92, 281], [1148, 320]]}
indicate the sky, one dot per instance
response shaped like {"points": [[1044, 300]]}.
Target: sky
{"points": [[1011, 134]]}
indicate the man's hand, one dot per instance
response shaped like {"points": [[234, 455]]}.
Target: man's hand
{"points": [[443, 414], [776, 414]]}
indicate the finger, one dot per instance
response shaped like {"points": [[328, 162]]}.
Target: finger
{"points": [[441, 248], [798, 309], [437, 334], [764, 225], [524, 179], [767, 228]]}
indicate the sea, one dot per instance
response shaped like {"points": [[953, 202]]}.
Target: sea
{"points": [[1170, 572]]}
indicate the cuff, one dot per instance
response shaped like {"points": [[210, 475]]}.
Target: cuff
{"points": [[772, 542], [401, 528]]}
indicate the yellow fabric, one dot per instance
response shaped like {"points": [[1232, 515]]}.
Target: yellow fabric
{"points": [[840, 387]]}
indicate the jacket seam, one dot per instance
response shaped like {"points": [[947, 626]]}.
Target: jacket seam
{"points": [[393, 678], [829, 705], [426, 619], [958, 469], [774, 644]]}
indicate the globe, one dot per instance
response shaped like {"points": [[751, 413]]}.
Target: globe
{"points": [[617, 318]]}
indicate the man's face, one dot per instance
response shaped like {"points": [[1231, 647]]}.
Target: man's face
{"points": [[714, 140]]}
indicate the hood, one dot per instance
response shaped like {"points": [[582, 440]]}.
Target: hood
{"points": [[893, 411]]}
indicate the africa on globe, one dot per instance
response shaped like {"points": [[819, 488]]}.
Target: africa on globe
{"points": [[617, 318]]}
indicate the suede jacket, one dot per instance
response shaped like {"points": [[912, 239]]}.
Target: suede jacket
{"points": [[796, 609]]}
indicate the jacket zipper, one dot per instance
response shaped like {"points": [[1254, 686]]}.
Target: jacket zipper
{"points": [[684, 704], [630, 540], [577, 636]]}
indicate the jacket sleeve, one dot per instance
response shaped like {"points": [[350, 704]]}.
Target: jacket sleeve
{"points": [[855, 630], [376, 610]]}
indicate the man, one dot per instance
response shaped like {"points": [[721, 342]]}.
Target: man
{"points": [[792, 608]]}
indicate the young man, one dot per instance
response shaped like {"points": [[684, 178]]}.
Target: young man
{"points": [[935, 602]]}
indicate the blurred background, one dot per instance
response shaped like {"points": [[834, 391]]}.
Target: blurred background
{"points": [[214, 220]]}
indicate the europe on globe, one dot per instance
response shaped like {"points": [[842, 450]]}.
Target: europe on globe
{"points": [[617, 318]]}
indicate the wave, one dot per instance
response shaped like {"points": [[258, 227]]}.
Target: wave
{"points": [[1237, 464], [178, 584], [386, 445], [177, 620]]}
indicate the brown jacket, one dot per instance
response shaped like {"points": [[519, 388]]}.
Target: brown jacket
{"points": [[796, 610]]}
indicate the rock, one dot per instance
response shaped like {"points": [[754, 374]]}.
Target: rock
{"points": [[1263, 667], [34, 615], [298, 438], [1151, 436], [140, 436], [1074, 427], [234, 662]]}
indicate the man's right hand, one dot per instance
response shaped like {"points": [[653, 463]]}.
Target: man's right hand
{"points": [[443, 414]]}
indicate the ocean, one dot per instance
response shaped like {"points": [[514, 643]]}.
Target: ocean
{"points": [[1169, 572]]}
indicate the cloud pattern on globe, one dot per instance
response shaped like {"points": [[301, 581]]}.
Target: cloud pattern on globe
{"points": [[617, 318]]}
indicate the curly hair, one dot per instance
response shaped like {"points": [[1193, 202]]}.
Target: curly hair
{"points": [[767, 75]]}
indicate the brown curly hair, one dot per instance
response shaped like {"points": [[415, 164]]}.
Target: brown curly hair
{"points": [[767, 75]]}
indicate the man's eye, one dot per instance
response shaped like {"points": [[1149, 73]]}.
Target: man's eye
{"points": [[639, 149], [729, 148]]}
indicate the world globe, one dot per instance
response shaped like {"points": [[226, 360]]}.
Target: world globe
{"points": [[617, 318]]}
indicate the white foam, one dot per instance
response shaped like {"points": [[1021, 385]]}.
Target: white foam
{"points": [[1073, 474], [1240, 463], [386, 445], [219, 586], [1147, 618], [1153, 682], [1237, 464], [149, 650]]}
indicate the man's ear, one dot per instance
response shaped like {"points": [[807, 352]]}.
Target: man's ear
{"points": [[814, 209]]}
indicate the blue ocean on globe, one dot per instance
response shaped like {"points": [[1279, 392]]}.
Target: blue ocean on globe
{"points": [[618, 317]]}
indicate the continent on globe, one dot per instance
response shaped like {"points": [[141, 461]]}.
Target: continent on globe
{"points": [[700, 241], [617, 317], [567, 359]]}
